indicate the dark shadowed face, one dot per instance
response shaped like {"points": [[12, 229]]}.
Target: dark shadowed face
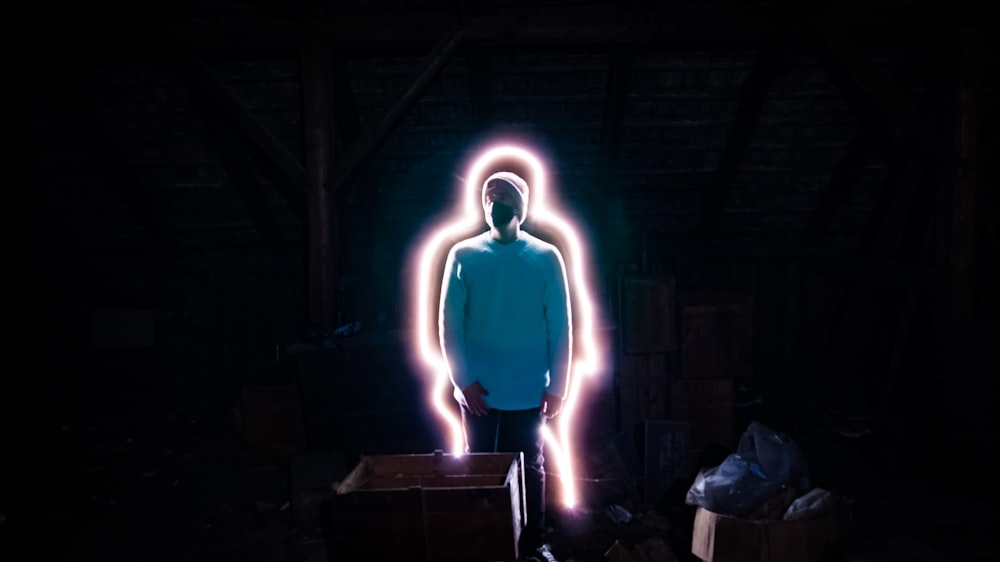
{"points": [[502, 203]]}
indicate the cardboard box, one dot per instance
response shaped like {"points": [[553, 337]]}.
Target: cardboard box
{"points": [[430, 507], [720, 538]]}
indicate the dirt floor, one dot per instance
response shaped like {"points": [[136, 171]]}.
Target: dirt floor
{"points": [[105, 478]]}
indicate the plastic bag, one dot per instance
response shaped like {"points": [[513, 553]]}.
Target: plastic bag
{"points": [[814, 503], [766, 463]]}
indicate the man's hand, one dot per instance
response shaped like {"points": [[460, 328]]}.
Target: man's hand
{"points": [[551, 405], [474, 400]]}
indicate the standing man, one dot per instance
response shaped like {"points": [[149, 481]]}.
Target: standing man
{"points": [[506, 334]]}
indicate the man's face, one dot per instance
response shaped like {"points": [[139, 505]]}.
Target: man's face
{"points": [[501, 205]]}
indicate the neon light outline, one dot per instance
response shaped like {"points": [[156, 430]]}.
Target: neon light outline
{"points": [[585, 359]]}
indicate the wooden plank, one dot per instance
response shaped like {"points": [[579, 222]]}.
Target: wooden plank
{"points": [[648, 314], [600, 25], [716, 335], [430, 466], [642, 382], [843, 180], [317, 115], [755, 88], [464, 536], [886, 99], [708, 406], [238, 166], [434, 507], [375, 134], [376, 482], [904, 191], [251, 127]]}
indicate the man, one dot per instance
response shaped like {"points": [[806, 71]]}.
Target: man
{"points": [[505, 330]]}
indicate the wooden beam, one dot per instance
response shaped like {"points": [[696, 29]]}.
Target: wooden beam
{"points": [[900, 214], [842, 182], [664, 25], [268, 144], [738, 139], [317, 116], [238, 166], [885, 409], [883, 96], [872, 132], [374, 135]]}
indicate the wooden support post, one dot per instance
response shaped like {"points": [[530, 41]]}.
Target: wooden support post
{"points": [[321, 213]]}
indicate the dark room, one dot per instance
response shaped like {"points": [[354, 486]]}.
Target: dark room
{"points": [[736, 302]]}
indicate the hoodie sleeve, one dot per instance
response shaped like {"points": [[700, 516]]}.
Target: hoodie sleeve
{"points": [[558, 325], [451, 322]]}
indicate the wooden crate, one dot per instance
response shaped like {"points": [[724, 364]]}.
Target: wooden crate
{"points": [[430, 507], [648, 307]]}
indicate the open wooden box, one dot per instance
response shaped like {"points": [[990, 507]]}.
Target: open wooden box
{"points": [[429, 507]]}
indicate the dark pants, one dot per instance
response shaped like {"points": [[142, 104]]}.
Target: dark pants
{"points": [[508, 431]]}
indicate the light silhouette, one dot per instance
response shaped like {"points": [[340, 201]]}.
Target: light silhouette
{"points": [[585, 361]]}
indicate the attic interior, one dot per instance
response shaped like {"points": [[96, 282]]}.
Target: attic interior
{"points": [[215, 206]]}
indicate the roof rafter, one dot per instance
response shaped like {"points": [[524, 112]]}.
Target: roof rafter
{"points": [[373, 135], [261, 138], [238, 166], [741, 130]]}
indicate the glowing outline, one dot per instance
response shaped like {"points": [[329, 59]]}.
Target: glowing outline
{"points": [[585, 359]]}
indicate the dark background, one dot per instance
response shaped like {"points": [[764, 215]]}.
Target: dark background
{"points": [[789, 206]]}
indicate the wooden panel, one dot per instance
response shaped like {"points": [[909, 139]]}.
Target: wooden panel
{"points": [[716, 335], [642, 382], [648, 310], [707, 404]]}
